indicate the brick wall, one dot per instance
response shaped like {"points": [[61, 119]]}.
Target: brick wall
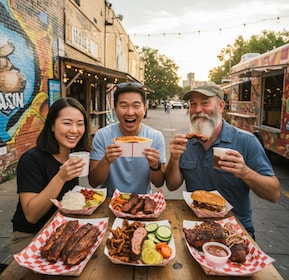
{"points": [[29, 43]]}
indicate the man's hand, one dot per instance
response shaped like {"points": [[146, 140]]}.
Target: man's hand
{"points": [[153, 157], [112, 152], [178, 146]]}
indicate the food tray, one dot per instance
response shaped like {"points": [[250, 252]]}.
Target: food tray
{"points": [[158, 197], [84, 211], [118, 223], [206, 214], [134, 149], [255, 260], [30, 256]]}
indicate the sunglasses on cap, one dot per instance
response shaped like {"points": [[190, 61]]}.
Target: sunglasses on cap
{"points": [[130, 84]]}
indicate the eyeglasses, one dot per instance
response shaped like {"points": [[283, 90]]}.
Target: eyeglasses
{"points": [[130, 84]]}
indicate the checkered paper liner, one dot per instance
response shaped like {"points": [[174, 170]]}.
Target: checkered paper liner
{"points": [[255, 260], [118, 223], [158, 197], [84, 211], [206, 214], [30, 256]]}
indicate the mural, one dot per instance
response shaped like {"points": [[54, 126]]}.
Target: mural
{"points": [[17, 73], [28, 49]]}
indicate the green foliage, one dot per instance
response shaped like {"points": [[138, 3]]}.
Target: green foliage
{"points": [[160, 74], [231, 55]]}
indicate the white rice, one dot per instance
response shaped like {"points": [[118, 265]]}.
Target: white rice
{"points": [[73, 200]]}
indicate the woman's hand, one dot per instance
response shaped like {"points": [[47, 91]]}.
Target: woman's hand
{"points": [[71, 168]]}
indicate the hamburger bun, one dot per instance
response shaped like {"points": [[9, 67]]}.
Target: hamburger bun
{"points": [[208, 201], [132, 139]]}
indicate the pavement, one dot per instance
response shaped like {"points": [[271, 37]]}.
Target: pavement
{"points": [[271, 219]]}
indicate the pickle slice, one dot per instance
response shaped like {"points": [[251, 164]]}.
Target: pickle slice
{"points": [[125, 196]]}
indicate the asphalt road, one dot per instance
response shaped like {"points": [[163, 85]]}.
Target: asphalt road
{"points": [[271, 220]]}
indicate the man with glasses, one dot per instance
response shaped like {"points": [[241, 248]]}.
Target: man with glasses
{"points": [[128, 174]]}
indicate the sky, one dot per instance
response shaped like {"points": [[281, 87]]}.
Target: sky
{"points": [[192, 33]]}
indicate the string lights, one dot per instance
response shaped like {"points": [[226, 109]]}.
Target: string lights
{"points": [[200, 31], [220, 29], [82, 73], [153, 78]]}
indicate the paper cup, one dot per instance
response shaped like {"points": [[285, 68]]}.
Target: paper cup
{"points": [[218, 152], [85, 157]]}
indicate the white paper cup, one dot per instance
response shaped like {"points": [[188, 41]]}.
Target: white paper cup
{"points": [[85, 157], [218, 152]]}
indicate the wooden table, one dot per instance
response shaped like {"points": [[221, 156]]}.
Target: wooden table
{"points": [[183, 266]]}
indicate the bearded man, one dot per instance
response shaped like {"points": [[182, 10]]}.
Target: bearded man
{"points": [[244, 167]]}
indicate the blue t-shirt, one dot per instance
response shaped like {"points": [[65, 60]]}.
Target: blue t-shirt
{"points": [[128, 174], [196, 165]]}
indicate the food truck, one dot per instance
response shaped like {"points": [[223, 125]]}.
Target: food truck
{"points": [[258, 97]]}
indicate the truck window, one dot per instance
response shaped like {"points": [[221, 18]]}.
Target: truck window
{"points": [[273, 91], [245, 91]]}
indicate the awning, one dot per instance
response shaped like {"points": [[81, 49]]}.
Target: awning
{"points": [[235, 84], [111, 75], [268, 68], [263, 68]]}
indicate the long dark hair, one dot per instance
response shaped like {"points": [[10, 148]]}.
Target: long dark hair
{"points": [[46, 140]]}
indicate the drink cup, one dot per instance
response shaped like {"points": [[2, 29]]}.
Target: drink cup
{"points": [[218, 153], [85, 158]]}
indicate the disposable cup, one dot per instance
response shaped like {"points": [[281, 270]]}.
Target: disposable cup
{"points": [[218, 153], [85, 157]]}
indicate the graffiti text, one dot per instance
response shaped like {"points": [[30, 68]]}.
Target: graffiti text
{"points": [[12, 100]]}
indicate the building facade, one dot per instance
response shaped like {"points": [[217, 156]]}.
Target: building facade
{"points": [[50, 49]]}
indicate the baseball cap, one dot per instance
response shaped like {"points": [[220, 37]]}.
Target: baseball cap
{"points": [[208, 89]]}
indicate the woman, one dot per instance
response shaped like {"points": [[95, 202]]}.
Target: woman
{"points": [[46, 172]]}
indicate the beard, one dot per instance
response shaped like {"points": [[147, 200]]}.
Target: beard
{"points": [[204, 123]]}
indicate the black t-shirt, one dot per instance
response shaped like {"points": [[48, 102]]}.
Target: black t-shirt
{"points": [[35, 169]]}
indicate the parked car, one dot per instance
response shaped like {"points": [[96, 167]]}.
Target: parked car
{"points": [[185, 105], [177, 105]]}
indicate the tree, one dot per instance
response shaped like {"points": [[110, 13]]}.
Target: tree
{"points": [[231, 55], [160, 74]]}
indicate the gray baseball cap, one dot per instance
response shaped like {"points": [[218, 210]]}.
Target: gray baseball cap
{"points": [[208, 89]]}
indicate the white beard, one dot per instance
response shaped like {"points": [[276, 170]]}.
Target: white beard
{"points": [[205, 125]]}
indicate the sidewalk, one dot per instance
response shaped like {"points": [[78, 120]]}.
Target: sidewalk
{"points": [[271, 220]]}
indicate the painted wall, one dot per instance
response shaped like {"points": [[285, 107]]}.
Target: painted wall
{"points": [[31, 40], [29, 32]]}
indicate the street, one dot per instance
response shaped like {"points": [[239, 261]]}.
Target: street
{"points": [[271, 220]]}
